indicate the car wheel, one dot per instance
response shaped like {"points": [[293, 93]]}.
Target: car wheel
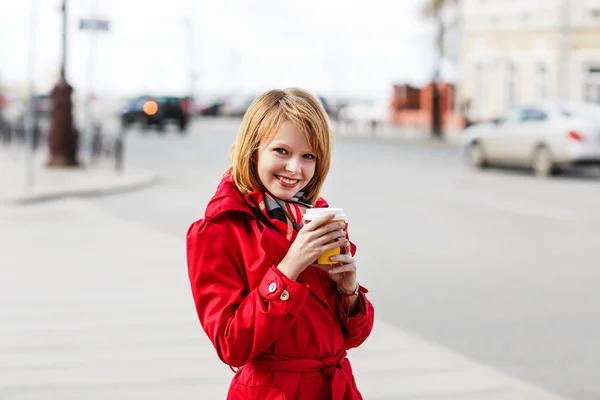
{"points": [[161, 126], [182, 127], [542, 162], [143, 124], [476, 156]]}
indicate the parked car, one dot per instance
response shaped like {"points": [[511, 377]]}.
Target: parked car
{"points": [[211, 108], [155, 111], [545, 136], [236, 105]]}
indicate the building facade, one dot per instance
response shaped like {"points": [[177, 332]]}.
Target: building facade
{"points": [[518, 51]]}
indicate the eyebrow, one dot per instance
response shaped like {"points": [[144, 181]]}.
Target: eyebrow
{"points": [[278, 143]]}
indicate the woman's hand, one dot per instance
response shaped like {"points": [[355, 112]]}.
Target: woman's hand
{"points": [[314, 239], [343, 274]]}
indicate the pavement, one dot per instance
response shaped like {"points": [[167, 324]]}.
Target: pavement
{"points": [[55, 183], [93, 306]]}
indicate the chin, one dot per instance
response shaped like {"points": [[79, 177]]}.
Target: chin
{"points": [[283, 194]]}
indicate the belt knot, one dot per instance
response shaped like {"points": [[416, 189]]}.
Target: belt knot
{"points": [[332, 364]]}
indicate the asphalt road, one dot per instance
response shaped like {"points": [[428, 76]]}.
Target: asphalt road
{"points": [[498, 265]]}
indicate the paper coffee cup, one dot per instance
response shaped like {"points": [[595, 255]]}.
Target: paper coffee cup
{"points": [[340, 216]]}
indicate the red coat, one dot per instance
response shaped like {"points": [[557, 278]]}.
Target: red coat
{"points": [[288, 338]]}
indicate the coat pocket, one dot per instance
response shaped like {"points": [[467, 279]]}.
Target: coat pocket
{"points": [[239, 391]]}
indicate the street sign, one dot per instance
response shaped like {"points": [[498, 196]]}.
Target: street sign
{"points": [[91, 24]]}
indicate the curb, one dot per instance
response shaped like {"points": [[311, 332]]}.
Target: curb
{"points": [[133, 184], [400, 140]]}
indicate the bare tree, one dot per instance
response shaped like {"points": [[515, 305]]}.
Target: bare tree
{"points": [[433, 9]]}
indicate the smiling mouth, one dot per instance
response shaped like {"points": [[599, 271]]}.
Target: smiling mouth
{"points": [[287, 181]]}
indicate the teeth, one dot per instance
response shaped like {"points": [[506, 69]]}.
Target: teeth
{"points": [[288, 181]]}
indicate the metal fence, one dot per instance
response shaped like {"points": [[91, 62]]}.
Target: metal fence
{"points": [[100, 146]]}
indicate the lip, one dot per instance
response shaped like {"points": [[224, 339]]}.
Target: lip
{"points": [[286, 185]]}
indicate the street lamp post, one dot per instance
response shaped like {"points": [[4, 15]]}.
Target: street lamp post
{"points": [[63, 138], [436, 118]]}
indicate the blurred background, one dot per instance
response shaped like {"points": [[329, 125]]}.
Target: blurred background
{"points": [[220, 54], [431, 66], [472, 125]]}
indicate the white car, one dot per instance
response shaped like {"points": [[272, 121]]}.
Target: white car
{"points": [[545, 136]]}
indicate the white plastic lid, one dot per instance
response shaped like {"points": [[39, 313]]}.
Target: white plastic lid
{"points": [[314, 213]]}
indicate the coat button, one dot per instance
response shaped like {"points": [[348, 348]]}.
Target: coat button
{"points": [[284, 296], [272, 287]]}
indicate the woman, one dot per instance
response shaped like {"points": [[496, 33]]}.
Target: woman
{"points": [[282, 321]]}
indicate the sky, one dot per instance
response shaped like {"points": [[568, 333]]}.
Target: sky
{"points": [[330, 47]]}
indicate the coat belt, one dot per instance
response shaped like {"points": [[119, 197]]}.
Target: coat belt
{"points": [[331, 366]]}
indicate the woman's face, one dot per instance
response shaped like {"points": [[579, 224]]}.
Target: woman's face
{"points": [[287, 163]]}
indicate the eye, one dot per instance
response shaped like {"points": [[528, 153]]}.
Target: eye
{"points": [[309, 156], [280, 150]]}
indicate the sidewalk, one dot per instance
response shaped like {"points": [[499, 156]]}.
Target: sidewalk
{"points": [[94, 307], [385, 131], [54, 183]]}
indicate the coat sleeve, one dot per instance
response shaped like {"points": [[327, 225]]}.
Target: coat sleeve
{"points": [[240, 324], [358, 327]]}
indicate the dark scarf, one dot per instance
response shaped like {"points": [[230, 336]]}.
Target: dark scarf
{"points": [[285, 216]]}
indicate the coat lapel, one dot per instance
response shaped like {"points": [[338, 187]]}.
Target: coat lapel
{"points": [[276, 247]]}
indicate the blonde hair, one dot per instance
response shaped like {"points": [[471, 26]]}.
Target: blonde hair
{"points": [[261, 123]]}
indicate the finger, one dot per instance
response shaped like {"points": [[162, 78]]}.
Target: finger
{"points": [[343, 268], [317, 222], [343, 259], [329, 227], [324, 267], [334, 236], [347, 249], [335, 244]]}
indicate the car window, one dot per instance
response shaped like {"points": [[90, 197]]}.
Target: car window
{"points": [[533, 115], [138, 103], [511, 116], [171, 101]]}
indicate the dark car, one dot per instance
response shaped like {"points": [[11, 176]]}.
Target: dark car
{"points": [[212, 109], [156, 111]]}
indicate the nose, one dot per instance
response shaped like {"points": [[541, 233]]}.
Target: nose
{"points": [[294, 166]]}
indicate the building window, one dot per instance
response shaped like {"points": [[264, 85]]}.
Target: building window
{"points": [[591, 84], [541, 81], [511, 84], [479, 103]]}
